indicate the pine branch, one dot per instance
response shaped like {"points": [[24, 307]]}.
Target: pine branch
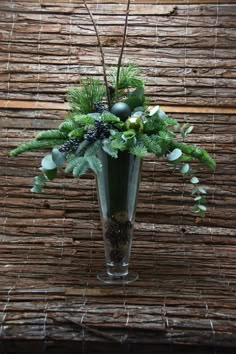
{"points": [[129, 76], [82, 99], [35, 144], [122, 48], [102, 55], [195, 152], [51, 134], [152, 143], [67, 126]]}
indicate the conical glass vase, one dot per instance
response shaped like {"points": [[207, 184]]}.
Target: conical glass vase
{"points": [[117, 189]]}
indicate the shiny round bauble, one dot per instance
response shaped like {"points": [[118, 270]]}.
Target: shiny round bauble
{"points": [[134, 123], [121, 110]]}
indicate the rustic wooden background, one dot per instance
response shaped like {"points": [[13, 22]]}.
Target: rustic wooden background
{"points": [[51, 247]]}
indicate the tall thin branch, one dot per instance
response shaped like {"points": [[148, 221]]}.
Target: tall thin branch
{"points": [[122, 47], [102, 55]]}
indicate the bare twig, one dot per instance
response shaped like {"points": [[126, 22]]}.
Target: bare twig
{"points": [[122, 48], [102, 55]]}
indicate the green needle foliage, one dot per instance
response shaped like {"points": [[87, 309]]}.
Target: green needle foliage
{"points": [[36, 144], [90, 127], [51, 134], [129, 77], [83, 100]]}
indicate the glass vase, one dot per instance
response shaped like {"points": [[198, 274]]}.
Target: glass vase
{"points": [[117, 189]]}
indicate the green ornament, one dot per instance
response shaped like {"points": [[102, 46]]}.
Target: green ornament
{"points": [[134, 123], [121, 110]]}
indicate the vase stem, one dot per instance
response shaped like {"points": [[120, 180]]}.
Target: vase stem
{"points": [[117, 187], [117, 270]]}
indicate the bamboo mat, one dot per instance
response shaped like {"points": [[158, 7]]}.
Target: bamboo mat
{"points": [[185, 293]]}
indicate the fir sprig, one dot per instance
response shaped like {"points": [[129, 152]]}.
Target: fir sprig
{"points": [[51, 134], [139, 150], [152, 144], [36, 144]]}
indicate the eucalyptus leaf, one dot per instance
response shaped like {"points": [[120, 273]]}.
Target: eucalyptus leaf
{"points": [[195, 190], [194, 180], [161, 114], [184, 126], [182, 131], [51, 174], [198, 190], [195, 208], [202, 190], [137, 114], [201, 214], [198, 198], [189, 130], [154, 110], [202, 207], [185, 168], [58, 157], [174, 155], [48, 163], [40, 180], [37, 189]]}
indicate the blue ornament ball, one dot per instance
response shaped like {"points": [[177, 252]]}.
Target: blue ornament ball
{"points": [[121, 110]]}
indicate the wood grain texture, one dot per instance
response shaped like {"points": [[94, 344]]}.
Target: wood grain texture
{"points": [[51, 245]]}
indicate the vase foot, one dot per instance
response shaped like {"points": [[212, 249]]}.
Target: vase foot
{"points": [[123, 279]]}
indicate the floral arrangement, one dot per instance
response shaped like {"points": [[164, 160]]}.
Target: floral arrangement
{"points": [[115, 115]]}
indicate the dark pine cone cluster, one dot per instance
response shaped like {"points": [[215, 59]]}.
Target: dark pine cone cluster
{"points": [[70, 145], [100, 131], [100, 107]]}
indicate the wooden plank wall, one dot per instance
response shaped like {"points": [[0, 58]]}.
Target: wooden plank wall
{"points": [[187, 51]]}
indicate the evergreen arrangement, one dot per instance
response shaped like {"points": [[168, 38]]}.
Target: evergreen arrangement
{"points": [[114, 115]]}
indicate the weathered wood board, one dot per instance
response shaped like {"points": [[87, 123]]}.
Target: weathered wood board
{"points": [[50, 244]]}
